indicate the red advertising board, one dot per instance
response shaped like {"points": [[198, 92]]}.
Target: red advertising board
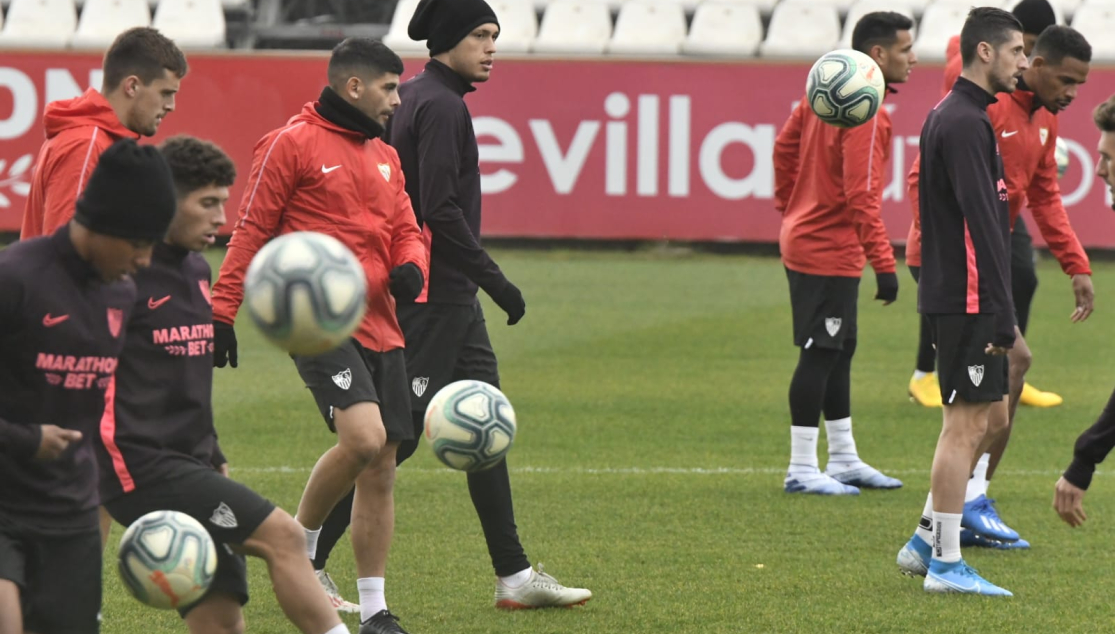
{"points": [[605, 149]]}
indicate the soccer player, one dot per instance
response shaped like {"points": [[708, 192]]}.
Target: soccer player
{"points": [[1026, 126], [446, 335], [1097, 441], [142, 72], [328, 171], [1035, 16], [158, 448], [64, 303], [965, 287], [829, 189]]}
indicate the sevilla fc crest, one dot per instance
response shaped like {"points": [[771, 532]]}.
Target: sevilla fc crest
{"points": [[419, 385], [1044, 134], [385, 171], [204, 286], [832, 325], [975, 372], [115, 321]]}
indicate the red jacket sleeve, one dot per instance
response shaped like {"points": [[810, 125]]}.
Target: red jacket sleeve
{"points": [[407, 244], [270, 184], [1044, 198], [786, 162], [913, 239], [865, 156], [953, 65], [73, 164]]}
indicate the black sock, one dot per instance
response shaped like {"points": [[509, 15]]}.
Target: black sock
{"points": [[838, 390], [807, 388], [334, 527], [491, 496]]}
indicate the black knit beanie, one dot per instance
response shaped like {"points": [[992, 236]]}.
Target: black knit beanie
{"points": [[1035, 16], [130, 194], [444, 23]]}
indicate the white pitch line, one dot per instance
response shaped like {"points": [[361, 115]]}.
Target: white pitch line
{"points": [[728, 471]]}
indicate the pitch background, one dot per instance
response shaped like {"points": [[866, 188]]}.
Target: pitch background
{"points": [[651, 394]]}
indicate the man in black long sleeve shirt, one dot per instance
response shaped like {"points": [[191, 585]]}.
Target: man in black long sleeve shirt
{"points": [[965, 287], [1098, 440], [65, 300]]}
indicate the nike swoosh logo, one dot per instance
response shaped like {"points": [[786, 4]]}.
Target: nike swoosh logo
{"points": [[326, 170], [1009, 134], [153, 303], [51, 322]]}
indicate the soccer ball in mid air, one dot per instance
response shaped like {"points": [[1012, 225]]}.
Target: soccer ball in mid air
{"points": [[167, 560], [845, 88], [1061, 153], [306, 292], [470, 425]]}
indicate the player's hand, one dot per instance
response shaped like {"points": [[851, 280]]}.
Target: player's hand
{"points": [[1068, 501], [223, 469], [224, 345], [405, 282], [887, 285], [1082, 289], [510, 299], [995, 351], [55, 441]]}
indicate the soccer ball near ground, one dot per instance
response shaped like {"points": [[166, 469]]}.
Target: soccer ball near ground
{"points": [[845, 88], [470, 425], [1061, 153], [305, 291], [167, 560]]}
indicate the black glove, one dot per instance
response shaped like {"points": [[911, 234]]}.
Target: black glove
{"points": [[224, 344], [887, 285], [406, 282], [510, 299]]}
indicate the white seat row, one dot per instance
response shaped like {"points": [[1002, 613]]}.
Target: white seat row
{"points": [[54, 23], [917, 7], [798, 29]]}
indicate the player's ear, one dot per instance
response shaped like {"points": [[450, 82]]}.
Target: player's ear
{"points": [[354, 87]]}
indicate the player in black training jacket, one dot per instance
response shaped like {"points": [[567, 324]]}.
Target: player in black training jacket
{"points": [[158, 448], [1098, 440], [965, 287], [65, 300]]}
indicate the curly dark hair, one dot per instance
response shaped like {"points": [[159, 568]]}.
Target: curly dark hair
{"points": [[195, 164]]}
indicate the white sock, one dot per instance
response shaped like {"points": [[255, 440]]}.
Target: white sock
{"points": [[372, 600], [919, 375], [518, 579], [311, 542], [803, 449], [977, 484], [946, 537], [925, 526], [842, 446], [340, 629]]}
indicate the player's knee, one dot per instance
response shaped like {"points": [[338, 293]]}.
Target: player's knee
{"points": [[380, 474], [366, 445], [278, 535], [1020, 360]]}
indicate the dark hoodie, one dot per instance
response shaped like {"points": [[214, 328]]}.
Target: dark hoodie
{"points": [[77, 132]]}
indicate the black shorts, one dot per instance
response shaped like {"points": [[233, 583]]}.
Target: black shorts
{"points": [[59, 577], [230, 511], [965, 371], [824, 309], [353, 374]]}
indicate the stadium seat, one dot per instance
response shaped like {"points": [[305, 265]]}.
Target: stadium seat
{"points": [[1096, 22], [649, 27], [941, 21], [841, 6], [801, 29], [518, 25], [574, 27], [724, 28], [102, 20], [39, 24], [863, 7], [191, 23], [397, 38], [764, 6]]}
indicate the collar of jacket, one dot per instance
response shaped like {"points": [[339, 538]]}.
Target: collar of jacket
{"points": [[171, 253], [82, 270], [974, 92], [449, 77], [334, 109], [1026, 97]]}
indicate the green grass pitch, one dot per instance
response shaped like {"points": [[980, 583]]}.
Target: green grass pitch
{"points": [[651, 396]]}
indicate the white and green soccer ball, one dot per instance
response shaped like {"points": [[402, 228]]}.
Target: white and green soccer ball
{"points": [[470, 425], [167, 560], [845, 88], [306, 292], [1061, 152]]}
